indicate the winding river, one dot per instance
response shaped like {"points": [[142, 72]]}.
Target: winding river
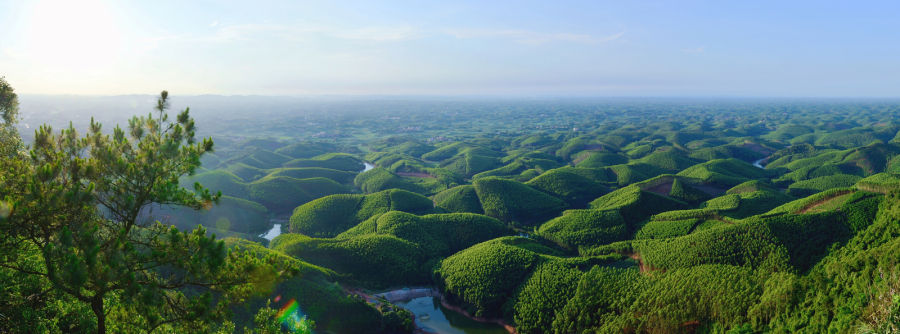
{"points": [[272, 233], [434, 317], [758, 163]]}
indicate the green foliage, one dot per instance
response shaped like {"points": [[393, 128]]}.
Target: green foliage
{"points": [[470, 163], [585, 228], [666, 229], [600, 295], [439, 235], [10, 143], [724, 203], [819, 184], [375, 259], [600, 160], [635, 205], [574, 189], [245, 172], [547, 290], [329, 216], [811, 201], [281, 194], [262, 159], [724, 172], [306, 149], [683, 191], [716, 294], [484, 277], [757, 202], [881, 182], [671, 160], [78, 200], [512, 201], [338, 176], [743, 244], [339, 161], [750, 186], [232, 214], [219, 180], [459, 199], [379, 179]]}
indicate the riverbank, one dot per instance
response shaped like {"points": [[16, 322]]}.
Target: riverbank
{"points": [[404, 295]]}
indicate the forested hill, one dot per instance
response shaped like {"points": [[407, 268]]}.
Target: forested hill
{"points": [[546, 216]]}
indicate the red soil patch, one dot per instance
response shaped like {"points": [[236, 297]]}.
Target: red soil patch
{"points": [[662, 189], [637, 257], [809, 207], [690, 326]]}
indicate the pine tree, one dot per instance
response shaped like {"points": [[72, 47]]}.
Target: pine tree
{"points": [[81, 203]]}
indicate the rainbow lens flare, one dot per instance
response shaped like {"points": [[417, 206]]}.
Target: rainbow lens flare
{"points": [[291, 317]]}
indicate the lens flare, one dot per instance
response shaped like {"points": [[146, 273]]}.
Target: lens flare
{"points": [[290, 316]]}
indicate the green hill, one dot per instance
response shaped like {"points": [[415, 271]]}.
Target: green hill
{"points": [[331, 215], [512, 201], [281, 194]]}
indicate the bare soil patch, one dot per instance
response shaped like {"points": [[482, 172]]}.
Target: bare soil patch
{"points": [[662, 189], [811, 207]]}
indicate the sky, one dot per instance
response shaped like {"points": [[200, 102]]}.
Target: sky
{"points": [[503, 48]]}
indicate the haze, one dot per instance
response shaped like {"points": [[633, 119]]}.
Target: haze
{"points": [[512, 48]]}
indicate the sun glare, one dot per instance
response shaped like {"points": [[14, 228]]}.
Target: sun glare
{"points": [[72, 36]]}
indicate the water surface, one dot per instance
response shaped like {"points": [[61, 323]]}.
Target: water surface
{"points": [[433, 317], [271, 234]]}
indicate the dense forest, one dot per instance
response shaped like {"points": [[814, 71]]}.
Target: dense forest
{"points": [[536, 216]]}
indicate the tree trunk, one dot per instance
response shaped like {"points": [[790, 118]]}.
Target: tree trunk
{"points": [[97, 306]]}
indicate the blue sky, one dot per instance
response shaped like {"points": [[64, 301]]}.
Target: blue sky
{"points": [[517, 48]]}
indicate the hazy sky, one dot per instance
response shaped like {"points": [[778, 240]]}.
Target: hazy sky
{"points": [[603, 48]]}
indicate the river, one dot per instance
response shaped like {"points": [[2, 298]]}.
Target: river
{"points": [[272, 233], [433, 317], [758, 163], [276, 228]]}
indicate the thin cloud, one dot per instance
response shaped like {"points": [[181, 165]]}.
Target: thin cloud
{"points": [[231, 33], [532, 37], [378, 34]]}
